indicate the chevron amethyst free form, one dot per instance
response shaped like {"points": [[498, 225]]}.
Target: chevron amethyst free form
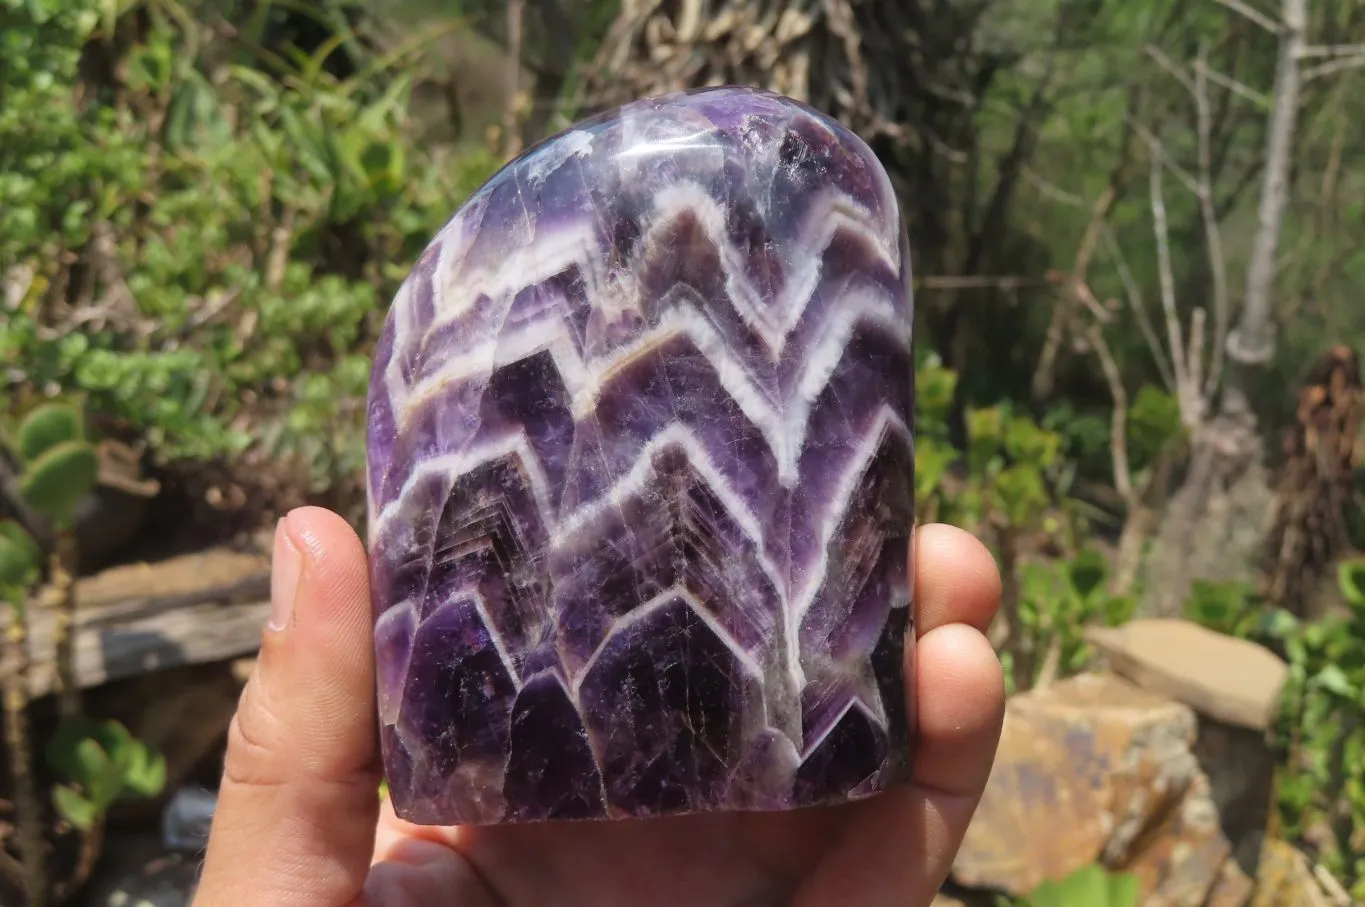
{"points": [[641, 476]]}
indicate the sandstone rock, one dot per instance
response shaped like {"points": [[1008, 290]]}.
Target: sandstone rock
{"points": [[1094, 769], [1235, 687], [1231, 680], [1286, 880]]}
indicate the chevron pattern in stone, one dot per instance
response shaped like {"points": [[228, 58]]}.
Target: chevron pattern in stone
{"points": [[641, 476]]}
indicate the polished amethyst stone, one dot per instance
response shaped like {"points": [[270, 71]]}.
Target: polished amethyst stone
{"points": [[641, 476]]}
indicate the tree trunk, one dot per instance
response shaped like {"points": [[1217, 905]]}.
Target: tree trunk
{"points": [[1215, 526], [1253, 343]]}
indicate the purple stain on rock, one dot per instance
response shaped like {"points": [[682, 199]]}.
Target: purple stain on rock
{"points": [[641, 476]]}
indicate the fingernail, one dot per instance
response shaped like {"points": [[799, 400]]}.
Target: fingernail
{"points": [[285, 567]]}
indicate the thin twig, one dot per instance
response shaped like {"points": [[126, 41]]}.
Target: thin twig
{"points": [[1158, 150], [28, 810], [1196, 364], [1334, 889], [62, 597], [510, 119], [985, 282], [1167, 283], [1118, 424], [277, 259], [1256, 16], [1174, 69], [1052, 662], [1139, 308], [1241, 89], [1330, 50], [1052, 190], [1213, 236], [1059, 324], [1327, 69]]}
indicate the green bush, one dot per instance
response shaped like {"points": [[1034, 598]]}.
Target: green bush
{"points": [[1061, 598], [1322, 727], [205, 248]]}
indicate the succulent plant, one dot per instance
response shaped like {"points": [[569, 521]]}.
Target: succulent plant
{"points": [[46, 426], [59, 466], [102, 763]]}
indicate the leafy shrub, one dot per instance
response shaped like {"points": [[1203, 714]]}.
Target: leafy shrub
{"points": [[100, 764], [203, 247], [1010, 486], [1322, 728], [1060, 598], [97, 763], [1229, 607]]}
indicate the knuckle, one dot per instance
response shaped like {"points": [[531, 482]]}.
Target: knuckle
{"points": [[253, 756]]}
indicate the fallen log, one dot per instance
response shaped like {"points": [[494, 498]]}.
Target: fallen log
{"points": [[139, 618]]}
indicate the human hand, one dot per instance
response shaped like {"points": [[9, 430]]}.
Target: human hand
{"points": [[300, 823]]}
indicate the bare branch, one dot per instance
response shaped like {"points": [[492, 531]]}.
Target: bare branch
{"points": [[1166, 63], [511, 132], [1238, 88], [1202, 187], [1330, 50], [1329, 884], [1144, 321], [1197, 339], [1160, 154], [1253, 341], [1260, 18], [1173, 333], [1213, 237], [1118, 424], [1052, 190], [984, 282], [1058, 324], [1327, 69]]}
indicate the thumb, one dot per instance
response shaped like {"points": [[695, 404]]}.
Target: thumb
{"points": [[299, 802]]}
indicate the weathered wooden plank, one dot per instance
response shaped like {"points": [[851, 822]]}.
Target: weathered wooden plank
{"points": [[136, 619]]}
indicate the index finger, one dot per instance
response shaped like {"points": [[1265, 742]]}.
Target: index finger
{"points": [[956, 579]]}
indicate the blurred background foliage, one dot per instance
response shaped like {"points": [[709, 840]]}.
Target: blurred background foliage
{"points": [[205, 208]]}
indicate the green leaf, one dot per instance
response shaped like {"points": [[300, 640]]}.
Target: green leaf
{"points": [[62, 477], [1351, 581], [61, 750], [93, 763], [935, 387], [45, 427], [147, 777], [1021, 494], [1087, 572], [1334, 680], [20, 558], [985, 436], [1090, 886], [74, 808], [1027, 443], [932, 461]]}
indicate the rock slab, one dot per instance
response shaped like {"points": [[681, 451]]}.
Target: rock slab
{"points": [[1232, 680], [641, 476], [1095, 770]]}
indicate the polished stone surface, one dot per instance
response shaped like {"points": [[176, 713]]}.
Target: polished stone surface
{"points": [[641, 476]]}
